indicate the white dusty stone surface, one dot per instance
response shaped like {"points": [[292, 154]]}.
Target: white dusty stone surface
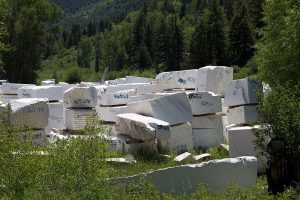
{"points": [[76, 119], [149, 89], [214, 79], [80, 97], [26, 113], [203, 156], [110, 89], [48, 82], [241, 92], [207, 121], [215, 174], [204, 102], [242, 114], [142, 127], [182, 156], [225, 124], [36, 137], [206, 138], [181, 139], [109, 114], [50, 92], [134, 79], [115, 99], [242, 143], [56, 116], [174, 108], [12, 88], [184, 79]]}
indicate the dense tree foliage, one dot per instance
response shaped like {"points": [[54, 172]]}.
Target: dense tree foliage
{"points": [[279, 49], [31, 27]]}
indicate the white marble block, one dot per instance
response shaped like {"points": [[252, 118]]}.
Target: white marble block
{"points": [[134, 79], [242, 143], [80, 97], [142, 127], [206, 138], [242, 114], [184, 79], [215, 174], [204, 103], [214, 79], [36, 137], [76, 119], [48, 82], [12, 88], [241, 92], [181, 139], [206, 121], [149, 89], [174, 108], [26, 113], [109, 114], [52, 93], [115, 99]]}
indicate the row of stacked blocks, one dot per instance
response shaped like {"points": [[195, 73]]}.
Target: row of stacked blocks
{"points": [[193, 102]]}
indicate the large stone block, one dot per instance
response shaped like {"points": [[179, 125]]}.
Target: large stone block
{"points": [[174, 108], [241, 92], [115, 99], [242, 114], [12, 88], [149, 89], [207, 121], [177, 79], [36, 137], [50, 92], [80, 97], [134, 79], [214, 79], [109, 114], [205, 103], [206, 138], [76, 119], [142, 127], [48, 82], [242, 143], [181, 139], [110, 89], [215, 174], [26, 113]]}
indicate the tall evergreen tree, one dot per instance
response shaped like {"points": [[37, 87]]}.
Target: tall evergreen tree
{"points": [[29, 24], [241, 37]]}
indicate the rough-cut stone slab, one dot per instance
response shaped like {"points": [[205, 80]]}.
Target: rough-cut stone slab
{"points": [[120, 160], [174, 108], [202, 157], [76, 119], [56, 116], [134, 79], [109, 114], [12, 88], [115, 99], [182, 157], [142, 127], [215, 174], [143, 97], [214, 79], [225, 124], [134, 146], [177, 79], [181, 139], [26, 113], [149, 89], [242, 143], [50, 92], [242, 114], [80, 97], [206, 138], [110, 89], [241, 92], [207, 121], [48, 82], [204, 103], [66, 86]]}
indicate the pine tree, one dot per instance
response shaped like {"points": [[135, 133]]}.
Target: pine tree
{"points": [[175, 46], [241, 37]]}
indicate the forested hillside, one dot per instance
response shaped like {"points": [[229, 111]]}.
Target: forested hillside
{"points": [[166, 35], [83, 12], [72, 6]]}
